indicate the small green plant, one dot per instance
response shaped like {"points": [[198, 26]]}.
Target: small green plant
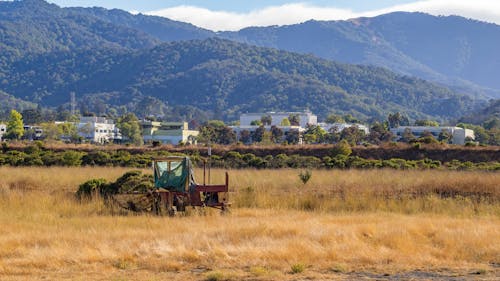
{"points": [[338, 268], [298, 268], [305, 176], [215, 276]]}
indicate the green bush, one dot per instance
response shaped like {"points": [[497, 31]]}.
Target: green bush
{"points": [[91, 188], [99, 158], [71, 158]]}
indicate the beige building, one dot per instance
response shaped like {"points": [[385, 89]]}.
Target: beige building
{"points": [[168, 132]]}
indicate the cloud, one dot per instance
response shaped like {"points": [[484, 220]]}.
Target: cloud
{"points": [[485, 10]]}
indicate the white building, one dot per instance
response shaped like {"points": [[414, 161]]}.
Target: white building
{"points": [[459, 135], [305, 117], [33, 132], [339, 127], [98, 129], [3, 130], [168, 132]]}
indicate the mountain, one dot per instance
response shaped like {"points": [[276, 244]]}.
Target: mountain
{"points": [[452, 50], [226, 78], [160, 28], [111, 58], [34, 26], [9, 102], [489, 116]]}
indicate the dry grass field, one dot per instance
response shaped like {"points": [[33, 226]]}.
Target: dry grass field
{"points": [[341, 225]]}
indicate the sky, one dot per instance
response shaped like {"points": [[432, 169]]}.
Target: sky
{"points": [[219, 15]]}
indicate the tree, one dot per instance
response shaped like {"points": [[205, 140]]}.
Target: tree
{"points": [[70, 130], [315, 134], [294, 119], [285, 122], [379, 133], [15, 126], [266, 120], [216, 131], [256, 123], [245, 136], [341, 148], [407, 135], [353, 135], [51, 131], [276, 134], [426, 123], [292, 136], [397, 119], [32, 116], [334, 118], [130, 128], [445, 136], [351, 119], [258, 134]]}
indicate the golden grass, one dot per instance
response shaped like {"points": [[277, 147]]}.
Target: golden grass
{"points": [[46, 234]]}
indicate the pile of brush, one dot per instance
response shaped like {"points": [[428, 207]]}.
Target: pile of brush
{"points": [[132, 191]]}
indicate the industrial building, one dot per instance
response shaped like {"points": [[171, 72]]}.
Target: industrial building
{"points": [[459, 135]]}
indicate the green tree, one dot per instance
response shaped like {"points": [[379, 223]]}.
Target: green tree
{"points": [[334, 118], [341, 148], [292, 136], [407, 135], [15, 126], [276, 134], [315, 134], [256, 123], [285, 122], [427, 123], [69, 129], [32, 116], [216, 131], [258, 134], [397, 119], [51, 131], [351, 119], [294, 119], [130, 128], [266, 120], [245, 136], [352, 135], [445, 136], [379, 133]]}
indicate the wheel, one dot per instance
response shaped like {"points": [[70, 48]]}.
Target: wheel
{"points": [[225, 210]]}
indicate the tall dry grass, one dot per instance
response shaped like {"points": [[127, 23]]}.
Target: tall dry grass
{"points": [[46, 234]]}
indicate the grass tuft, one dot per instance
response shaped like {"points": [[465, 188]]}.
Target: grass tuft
{"points": [[297, 268]]}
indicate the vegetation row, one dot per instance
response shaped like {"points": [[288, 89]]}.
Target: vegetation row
{"points": [[339, 156]]}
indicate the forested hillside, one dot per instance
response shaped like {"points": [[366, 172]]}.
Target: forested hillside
{"points": [[226, 78], [114, 60], [453, 50]]}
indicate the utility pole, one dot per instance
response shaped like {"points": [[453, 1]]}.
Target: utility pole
{"points": [[73, 103]]}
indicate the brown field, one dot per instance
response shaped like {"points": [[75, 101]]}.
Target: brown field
{"points": [[341, 225]]}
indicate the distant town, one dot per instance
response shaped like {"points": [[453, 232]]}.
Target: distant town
{"points": [[262, 128]]}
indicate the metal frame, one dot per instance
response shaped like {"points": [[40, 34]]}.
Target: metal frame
{"points": [[200, 195]]}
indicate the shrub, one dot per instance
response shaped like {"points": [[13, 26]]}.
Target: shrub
{"points": [[341, 148], [297, 268], [99, 158], [90, 188], [305, 176], [71, 158]]}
